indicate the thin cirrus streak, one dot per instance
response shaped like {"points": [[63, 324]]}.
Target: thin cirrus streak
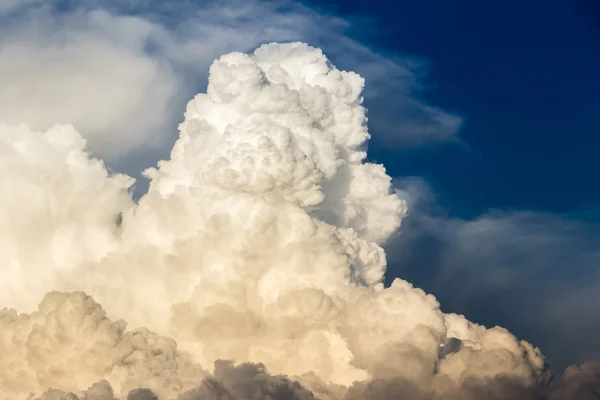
{"points": [[258, 241]]}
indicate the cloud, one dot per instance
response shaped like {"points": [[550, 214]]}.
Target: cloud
{"points": [[68, 344], [88, 69], [260, 238], [58, 208], [538, 273], [121, 72], [259, 241], [72, 343], [246, 381]]}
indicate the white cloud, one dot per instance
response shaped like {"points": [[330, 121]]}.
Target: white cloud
{"points": [[88, 69]]}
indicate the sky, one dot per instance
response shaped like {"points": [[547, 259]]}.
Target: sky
{"points": [[485, 114]]}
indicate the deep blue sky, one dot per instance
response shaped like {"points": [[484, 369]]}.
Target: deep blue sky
{"points": [[524, 74]]}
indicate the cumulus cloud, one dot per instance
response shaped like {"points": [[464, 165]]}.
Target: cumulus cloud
{"points": [[68, 344], [121, 72], [59, 207], [259, 241]]}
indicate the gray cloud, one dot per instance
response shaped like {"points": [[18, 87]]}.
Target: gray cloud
{"points": [[246, 381], [536, 273], [228, 382], [252, 381]]}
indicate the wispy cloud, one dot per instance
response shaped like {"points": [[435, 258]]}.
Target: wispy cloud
{"points": [[121, 72]]}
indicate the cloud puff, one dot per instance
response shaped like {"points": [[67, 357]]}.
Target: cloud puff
{"points": [[59, 208], [69, 344]]}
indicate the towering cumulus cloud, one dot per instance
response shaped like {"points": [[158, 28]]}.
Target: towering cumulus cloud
{"points": [[252, 268]]}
